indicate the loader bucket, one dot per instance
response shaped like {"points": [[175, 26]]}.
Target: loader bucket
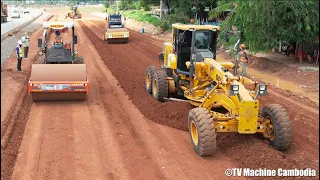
{"points": [[117, 35], [58, 82]]}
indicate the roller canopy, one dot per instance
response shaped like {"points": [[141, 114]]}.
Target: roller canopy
{"points": [[58, 24]]}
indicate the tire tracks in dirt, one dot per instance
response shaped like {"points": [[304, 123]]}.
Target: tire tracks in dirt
{"points": [[155, 140], [138, 45], [118, 116], [14, 124], [138, 62]]}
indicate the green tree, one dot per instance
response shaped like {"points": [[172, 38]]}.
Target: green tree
{"points": [[186, 6], [145, 4], [264, 23], [106, 4], [125, 4]]}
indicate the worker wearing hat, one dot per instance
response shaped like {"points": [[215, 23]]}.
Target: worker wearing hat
{"points": [[243, 60], [26, 42], [19, 55]]}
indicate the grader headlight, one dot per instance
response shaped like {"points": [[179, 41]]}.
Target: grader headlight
{"points": [[262, 89], [234, 89]]}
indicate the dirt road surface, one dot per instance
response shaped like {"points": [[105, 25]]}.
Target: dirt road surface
{"points": [[121, 132]]}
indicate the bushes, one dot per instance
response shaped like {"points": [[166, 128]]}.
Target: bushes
{"points": [[169, 19], [142, 16]]}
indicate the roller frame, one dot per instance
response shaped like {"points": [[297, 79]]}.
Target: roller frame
{"points": [[84, 84], [117, 40]]}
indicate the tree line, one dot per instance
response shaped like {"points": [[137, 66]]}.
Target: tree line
{"points": [[262, 23]]}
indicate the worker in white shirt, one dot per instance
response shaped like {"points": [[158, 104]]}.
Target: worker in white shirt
{"points": [[26, 42]]}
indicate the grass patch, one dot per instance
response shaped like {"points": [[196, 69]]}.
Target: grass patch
{"points": [[91, 9], [109, 10], [142, 16]]}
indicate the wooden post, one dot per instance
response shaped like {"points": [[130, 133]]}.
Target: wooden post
{"points": [[317, 57], [296, 50], [300, 51], [279, 50]]}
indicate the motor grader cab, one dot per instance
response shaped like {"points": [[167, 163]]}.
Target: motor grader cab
{"points": [[59, 73], [74, 13], [223, 104], [115, 32]]}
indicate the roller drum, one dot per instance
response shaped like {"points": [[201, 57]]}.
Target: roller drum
{"points": [[117, 40], [58, 73]]}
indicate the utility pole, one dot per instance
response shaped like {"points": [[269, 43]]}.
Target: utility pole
{"points": [[117, 6], [161, 9]]}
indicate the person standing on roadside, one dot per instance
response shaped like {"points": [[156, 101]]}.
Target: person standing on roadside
{"points": [[26, 43], [19, 55], [244, 60]]}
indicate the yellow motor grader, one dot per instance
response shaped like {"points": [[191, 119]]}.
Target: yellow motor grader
{"points": [[223, 104], [74, 13]]}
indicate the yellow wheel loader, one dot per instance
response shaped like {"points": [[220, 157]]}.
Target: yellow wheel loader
{"points": [[59, 74], [115, 32], [222, 102]]}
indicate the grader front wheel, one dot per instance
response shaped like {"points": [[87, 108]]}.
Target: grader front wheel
{"points": [[278, 126], [149, 78], [202, 132], [160, 88]]}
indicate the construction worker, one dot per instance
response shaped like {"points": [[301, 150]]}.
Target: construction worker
{"points": [[244, 60], [26, 43], [19, 55]]}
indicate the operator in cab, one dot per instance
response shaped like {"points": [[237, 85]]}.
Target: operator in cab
{"points": [[58, 42]]}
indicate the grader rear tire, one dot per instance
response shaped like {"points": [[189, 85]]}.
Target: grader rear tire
{"points": [[149, 78], [160, 88], [281, 138], [202, 131]]}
